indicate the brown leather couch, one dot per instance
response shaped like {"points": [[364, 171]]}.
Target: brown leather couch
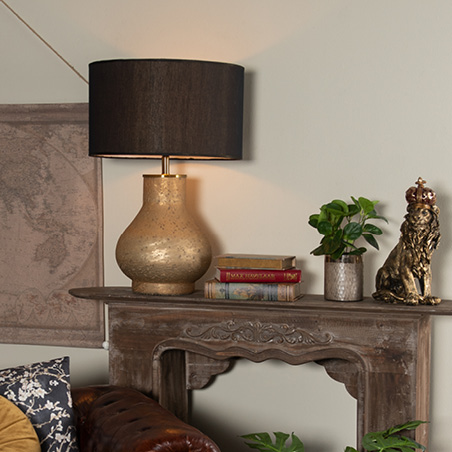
{"points": [[115, 419]]}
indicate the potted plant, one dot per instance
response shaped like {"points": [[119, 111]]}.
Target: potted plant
{"points": [[388, 440], [341, 225]]}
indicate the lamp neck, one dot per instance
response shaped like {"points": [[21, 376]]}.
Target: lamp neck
{"points": [[164, 190], [165, 164]]}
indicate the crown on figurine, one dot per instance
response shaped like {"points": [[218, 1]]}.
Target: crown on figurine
{"points": [[420, 196]]}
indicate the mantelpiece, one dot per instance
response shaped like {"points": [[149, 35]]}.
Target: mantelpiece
{"points": [[170, 345]]}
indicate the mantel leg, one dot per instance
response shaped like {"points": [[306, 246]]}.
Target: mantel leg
{"points": [[396, 395], [170, 377]]}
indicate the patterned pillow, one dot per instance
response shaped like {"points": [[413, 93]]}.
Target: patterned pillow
{"points": [[42, 392]]}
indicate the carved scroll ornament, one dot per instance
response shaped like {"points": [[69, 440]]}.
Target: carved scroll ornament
{"points": [[257, 332]]}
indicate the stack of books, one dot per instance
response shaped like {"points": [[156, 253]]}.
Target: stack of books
{"points": [[255, 277]]}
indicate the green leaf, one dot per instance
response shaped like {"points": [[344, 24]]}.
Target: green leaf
{"points": [[410, 425], [367, 205], [281, 439], [373, 441], [325, 228], [332, 243], [260, 441], [352, 231], [350, 449], [339, 252], [371, 240], [388, 441], [376, 217], [356, 202], [358, 251], [343, 204], [377, 442], [264, 443], [372, 229], [319, 251], [353, 209], [297, 445], [323, 215], [314, 220], [335, 209]]}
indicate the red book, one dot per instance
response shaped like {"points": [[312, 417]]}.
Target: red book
{"points": [[292, 275]]}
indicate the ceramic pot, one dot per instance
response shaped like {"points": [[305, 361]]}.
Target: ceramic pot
{"points": [[163, 251], [344, 278]]}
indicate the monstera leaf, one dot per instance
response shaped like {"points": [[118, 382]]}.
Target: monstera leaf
{"points": [[385, 441], [264, 443], [389, 441]]}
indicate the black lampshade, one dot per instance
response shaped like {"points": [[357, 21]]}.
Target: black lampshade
{"points": [[155, 107]]}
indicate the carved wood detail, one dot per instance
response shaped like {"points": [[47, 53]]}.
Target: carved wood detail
{"points": [[201, 370], [257, 332], [345, 372]]}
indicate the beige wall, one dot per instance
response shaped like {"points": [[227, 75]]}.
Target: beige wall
{"points": [[344, 97]]}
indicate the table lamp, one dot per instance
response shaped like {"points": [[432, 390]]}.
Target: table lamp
{"points": [[162, 108]]}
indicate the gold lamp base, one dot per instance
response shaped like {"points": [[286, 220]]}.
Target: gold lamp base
{"points": [[163, 251], [170, 288]]}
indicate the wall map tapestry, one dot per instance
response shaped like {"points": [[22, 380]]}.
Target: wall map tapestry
{"points": [[50, 226]]}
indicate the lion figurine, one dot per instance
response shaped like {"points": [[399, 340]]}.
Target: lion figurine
{"points": [[410, 259]]}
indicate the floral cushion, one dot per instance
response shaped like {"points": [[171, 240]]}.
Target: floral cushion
{"points": [[42, 392]]}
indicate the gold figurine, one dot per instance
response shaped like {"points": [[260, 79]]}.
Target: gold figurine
{"points": [[411, 257]]}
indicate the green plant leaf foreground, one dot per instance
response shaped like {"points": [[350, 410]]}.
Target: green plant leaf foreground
{"points": [[264, 443], [385, 441], [389, 441]]}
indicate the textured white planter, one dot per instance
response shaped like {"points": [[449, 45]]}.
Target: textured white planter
{"points": [[344, 278]]}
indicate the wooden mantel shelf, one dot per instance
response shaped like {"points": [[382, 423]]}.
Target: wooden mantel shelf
{"points": [[169, 345], [307, 302]]}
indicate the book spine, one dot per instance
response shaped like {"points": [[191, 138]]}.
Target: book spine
{"points": [[251, 291], [264, 264], [258, 276]]}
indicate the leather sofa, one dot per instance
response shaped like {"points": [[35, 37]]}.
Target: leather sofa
{"points": [[116, 419]]}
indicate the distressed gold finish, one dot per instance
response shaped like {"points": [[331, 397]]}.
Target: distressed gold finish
{"points": [[163, 251], [410, 261]]}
